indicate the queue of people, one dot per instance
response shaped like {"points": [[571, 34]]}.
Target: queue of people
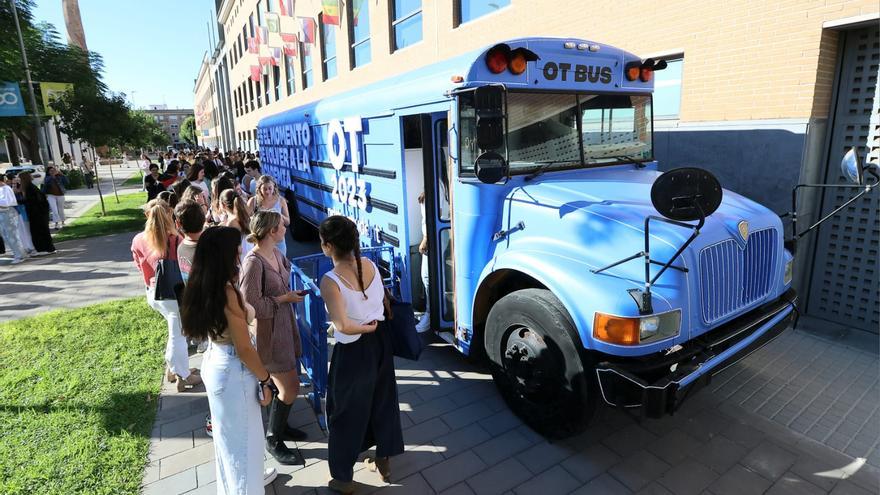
{"points": [[235, 295]]}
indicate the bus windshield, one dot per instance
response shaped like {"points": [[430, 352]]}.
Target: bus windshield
{"points": [[550, 131]]}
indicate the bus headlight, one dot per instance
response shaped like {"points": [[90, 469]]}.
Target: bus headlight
{"points": [[636, 330], [789, 272]]}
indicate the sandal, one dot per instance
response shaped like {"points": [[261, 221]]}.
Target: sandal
{"points": [[382, 465], [344, 487]]}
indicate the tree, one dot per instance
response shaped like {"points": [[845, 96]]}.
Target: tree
{"points": [[50, 60], [188, 130]]}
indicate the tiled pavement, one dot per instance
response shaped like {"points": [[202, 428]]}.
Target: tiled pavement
{"points": [[742, 435]]}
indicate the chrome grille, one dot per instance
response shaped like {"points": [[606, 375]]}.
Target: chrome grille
{"points": [[732, 278]]}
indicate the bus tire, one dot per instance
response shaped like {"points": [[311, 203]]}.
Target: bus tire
{"points": [[533, 350]]}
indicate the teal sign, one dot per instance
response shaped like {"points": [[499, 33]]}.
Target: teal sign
{"points": [[11, 103]]}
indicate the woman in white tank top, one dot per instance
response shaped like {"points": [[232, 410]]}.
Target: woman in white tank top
{"points": [[362, 402]]}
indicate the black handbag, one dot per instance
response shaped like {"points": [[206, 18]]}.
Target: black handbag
{"points": [[401, 324], [168, 277]]}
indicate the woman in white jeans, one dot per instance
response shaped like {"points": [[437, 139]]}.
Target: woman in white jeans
{"points": [[235, 378], [160, 240], [54, 186]]}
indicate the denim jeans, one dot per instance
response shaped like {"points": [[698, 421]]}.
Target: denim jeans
{"points": [[9, 232], [176, 349], [236, 421]]}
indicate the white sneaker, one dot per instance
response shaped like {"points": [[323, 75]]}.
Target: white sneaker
{"points": [[269, 476], [16, 261], [424, 323]]}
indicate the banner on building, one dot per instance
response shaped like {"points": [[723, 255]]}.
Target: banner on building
{"points": [[11, 103], [273, 22], [356, 6], [262, 35], [288, 38], [52, 91], [290, 49], [255, 73], [285, 7], [252, 46], [330, 9], [276, 55], [309, 28]]}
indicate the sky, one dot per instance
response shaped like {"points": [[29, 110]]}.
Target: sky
{"points": [[152, 49]]}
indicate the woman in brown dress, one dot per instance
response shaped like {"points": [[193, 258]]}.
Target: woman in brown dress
{"points": [[265, 283]]}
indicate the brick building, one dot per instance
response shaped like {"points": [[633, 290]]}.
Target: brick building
{"points": [[763, 94], [171, 121]]}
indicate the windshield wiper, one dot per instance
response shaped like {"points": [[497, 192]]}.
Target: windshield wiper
{"points": [[544, 166], [639, 162]]}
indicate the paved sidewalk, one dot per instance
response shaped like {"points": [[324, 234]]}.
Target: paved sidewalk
{"points": [[462, 439], [83, 272]]}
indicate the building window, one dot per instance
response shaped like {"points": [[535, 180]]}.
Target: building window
{"points": [[468, 10], [276, 78], [328, 48], [259, 13], [267, 90], [251, 24], [243, 44], [259, 94], [406, 23], [235, 100], [305, 59], [288, 72], [250, 94], [667, 89], [359, 32], [173, 118]]}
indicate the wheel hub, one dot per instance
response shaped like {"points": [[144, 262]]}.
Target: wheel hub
{"points": [[528, 363]]}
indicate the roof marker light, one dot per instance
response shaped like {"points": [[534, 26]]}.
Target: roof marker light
{"points": [[569, 45], [457, 79], [497, 58], [594, 48], [583, 46]]}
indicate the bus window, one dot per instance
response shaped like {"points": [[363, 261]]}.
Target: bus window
{"points": [[616, 126], [541, 128]]}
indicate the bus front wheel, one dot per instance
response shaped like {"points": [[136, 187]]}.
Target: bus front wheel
{"points": [[531, 344]]}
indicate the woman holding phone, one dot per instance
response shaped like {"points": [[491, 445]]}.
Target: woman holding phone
{"points": [[265, 282], [362, 404]]}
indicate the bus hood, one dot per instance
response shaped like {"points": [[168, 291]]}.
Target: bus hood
{"points": [[597, 217]]}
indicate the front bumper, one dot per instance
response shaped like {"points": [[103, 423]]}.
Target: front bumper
{"points": [[660, 382]]}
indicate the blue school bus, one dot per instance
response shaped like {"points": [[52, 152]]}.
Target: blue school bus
{"points": [[536, 160]]}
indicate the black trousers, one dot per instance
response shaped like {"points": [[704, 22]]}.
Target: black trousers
{"points": [[362, 404]]}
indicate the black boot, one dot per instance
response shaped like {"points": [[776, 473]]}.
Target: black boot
{"points": [[278, 412]]}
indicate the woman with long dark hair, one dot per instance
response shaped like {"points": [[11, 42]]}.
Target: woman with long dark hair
{"points": [[234, 376], [362, 404], [196, 177], [37, 207]]}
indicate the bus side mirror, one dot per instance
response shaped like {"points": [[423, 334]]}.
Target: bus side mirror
{"points": [[491, 167], [851, 168], [489, 107]]}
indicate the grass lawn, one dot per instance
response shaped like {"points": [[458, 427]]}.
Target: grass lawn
{"points": [[135, 180], [78, 395], [125, 216]]}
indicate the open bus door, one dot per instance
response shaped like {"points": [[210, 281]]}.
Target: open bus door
{"points": [[435, 146]]}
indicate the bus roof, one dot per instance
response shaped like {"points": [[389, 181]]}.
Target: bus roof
{"points": [[563, 64]]}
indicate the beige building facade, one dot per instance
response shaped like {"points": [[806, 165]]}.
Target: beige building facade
{"points": [[764, 94]]}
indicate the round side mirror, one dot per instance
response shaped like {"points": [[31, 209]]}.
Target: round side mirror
{"points": [[851, 167], [686, 194], [490, 167]]}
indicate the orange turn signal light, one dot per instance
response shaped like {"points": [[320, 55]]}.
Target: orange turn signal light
{"points": [[633, 70], [517, 63], [616, 329]]}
